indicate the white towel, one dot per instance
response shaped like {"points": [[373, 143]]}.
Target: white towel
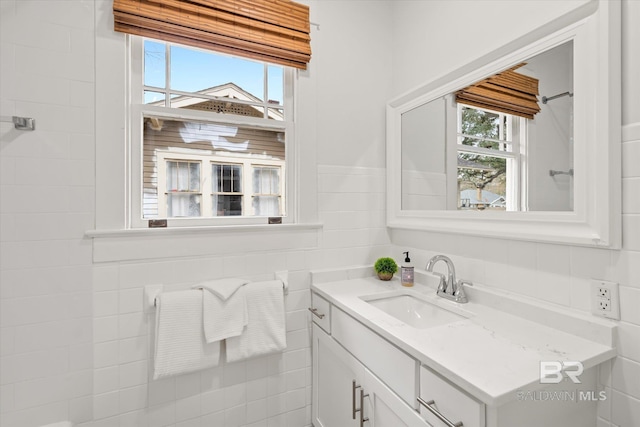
{"points": [[224, 319], [224, 308], [180, 345], [222, 288], [265, 333]]}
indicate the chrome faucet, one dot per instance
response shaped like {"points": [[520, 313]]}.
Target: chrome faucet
{"points": [[449, 287]]}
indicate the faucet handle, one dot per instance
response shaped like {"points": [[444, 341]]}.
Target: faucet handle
{"points": [[464, 282], [442, 285], [459, 291]]}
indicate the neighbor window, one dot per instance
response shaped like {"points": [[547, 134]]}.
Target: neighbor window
{"points": [[212, 133], [489, 159]]}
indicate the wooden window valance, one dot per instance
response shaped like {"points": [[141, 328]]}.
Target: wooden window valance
{"points": [[506, 92], [275, 31]]}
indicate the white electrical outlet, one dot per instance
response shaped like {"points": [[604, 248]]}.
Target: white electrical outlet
{"points": [[605, 300], [604, 305]]}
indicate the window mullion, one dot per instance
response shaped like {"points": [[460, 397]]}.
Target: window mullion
{"points": [[485, 151], [247, 188], [167, 75], [482, 138], [206, 190], [265, 96]]}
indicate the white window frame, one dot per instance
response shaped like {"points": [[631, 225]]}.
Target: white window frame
{"points": [[138, 110], [206, 162], [515, 154]]}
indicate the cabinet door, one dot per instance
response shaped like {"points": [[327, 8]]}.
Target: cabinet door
{"points": [[388, 410], [321, 312], [334, 371], [451, 402]]}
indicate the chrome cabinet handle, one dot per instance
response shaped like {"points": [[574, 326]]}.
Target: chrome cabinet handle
{"points": [[353, 399], [362, 418], [315, 313], [437, 413]]}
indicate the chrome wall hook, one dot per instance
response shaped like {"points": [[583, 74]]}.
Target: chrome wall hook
{"points": [[20, 123]]}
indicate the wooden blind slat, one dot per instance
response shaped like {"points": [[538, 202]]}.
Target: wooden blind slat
{"points": [[222, 48], [285, 14], [275, 31], [214, 19], [206, 33], [506, 92], [501, 93]]}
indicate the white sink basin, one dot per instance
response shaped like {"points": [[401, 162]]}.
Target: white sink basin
{"points": [[414, 311]]}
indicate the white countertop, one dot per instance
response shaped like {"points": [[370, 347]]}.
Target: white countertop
{"points": [[492, 354]]}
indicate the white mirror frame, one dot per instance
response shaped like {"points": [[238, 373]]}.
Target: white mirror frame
{"points": [[596, 218]]}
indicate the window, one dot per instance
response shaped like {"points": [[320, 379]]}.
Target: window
{"points": [[226, 189], [489, 159], [210, 136], [182, 190], [203, 185]]}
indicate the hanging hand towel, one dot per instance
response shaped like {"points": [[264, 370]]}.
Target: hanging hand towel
{"points": [[266, 332], [222, 288], [224, 308], [180, 346]]}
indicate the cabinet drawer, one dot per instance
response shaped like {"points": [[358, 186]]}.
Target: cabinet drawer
{"points": [[321, 312], [394, 367], [449, 400]]}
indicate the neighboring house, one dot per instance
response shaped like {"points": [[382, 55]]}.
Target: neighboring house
{"points": [[227, 90], [209, 169], [480, 199], [500, 202]]}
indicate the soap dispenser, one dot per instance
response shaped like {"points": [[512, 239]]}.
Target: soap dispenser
{"points": [[406, 271]]}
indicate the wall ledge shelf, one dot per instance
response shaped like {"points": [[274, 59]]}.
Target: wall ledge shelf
{"points": [[144, 232], [195, 242]]}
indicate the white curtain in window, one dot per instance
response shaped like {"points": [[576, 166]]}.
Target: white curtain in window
{"points": [[266, 188], [182, 177], [266, 206], [183, 205]]}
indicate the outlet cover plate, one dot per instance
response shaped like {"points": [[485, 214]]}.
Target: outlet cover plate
{"points": [[605, 299]]}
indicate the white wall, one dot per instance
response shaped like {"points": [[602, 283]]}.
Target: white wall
{"points": [[426, 41], [554, 273], [550, 135], [74, 337], [46, 204], [423, 164], [349, 69]]}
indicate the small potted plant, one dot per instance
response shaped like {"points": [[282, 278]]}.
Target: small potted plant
{"points": [[385, 268]]}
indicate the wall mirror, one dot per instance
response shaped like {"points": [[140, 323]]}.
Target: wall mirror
{"points": [[523, 143]]}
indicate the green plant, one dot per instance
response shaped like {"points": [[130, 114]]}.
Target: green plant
{"points": [[385, 265]]}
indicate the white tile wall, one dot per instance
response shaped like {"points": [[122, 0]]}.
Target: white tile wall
{"points": [[74, 341], [273, 390], [46, 204]]}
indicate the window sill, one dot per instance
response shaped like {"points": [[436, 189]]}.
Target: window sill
{"points": [[162, 243], [171, 231]]}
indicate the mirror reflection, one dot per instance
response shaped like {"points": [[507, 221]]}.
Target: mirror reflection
{"points": [[504, 143]]}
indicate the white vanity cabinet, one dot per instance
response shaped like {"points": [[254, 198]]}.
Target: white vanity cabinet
{"points": [[442, 402], [345, 390], [388, 410], [367, 373], [337, 384], [346, 393], [320, 309]]}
